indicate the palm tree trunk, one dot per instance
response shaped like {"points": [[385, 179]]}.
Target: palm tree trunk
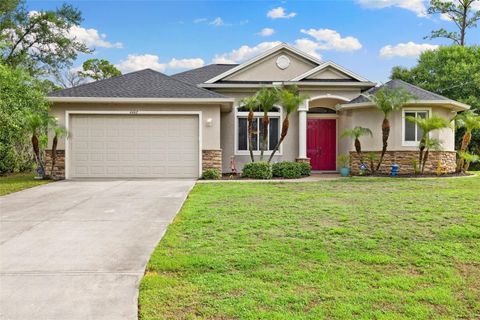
{"points": [[250, 134], [36, 152], [285, 126], [265, 121], [420, 153], [54, 155], [385, 135], [425, 158], [358, 149], [465, 142]]}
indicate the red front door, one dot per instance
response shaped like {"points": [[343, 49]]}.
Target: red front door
{"points": [[322, 143]]}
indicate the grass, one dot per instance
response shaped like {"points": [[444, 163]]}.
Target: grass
{"points": [[360, 248], [18, 181]]}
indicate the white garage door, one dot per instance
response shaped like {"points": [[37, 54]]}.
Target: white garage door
{"points": [[134, 146]]}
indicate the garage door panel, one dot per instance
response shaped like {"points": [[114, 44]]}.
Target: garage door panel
{"points": [[126, 146]]}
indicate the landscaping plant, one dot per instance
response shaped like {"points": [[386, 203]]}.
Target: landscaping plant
{"points": [[266, 99], [58, 132], [372, 157], [211, 174], [468, 158], [343, 161], [251, 104], [290, 101], [36, 125], [386, 101], [287, 170], [355, 134], [258, 170], [470, 121], [427, 125]]}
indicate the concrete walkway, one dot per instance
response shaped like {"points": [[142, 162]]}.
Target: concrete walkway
{"points": [[78, 249]]}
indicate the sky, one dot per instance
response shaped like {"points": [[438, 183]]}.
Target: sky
{"points": [[368, 37]]}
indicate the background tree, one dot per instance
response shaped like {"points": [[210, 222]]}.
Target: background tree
{"points": [[68, 78], [427, 125], [266, 98], [98, 69], [290, 100], [39, 41], [251, 104], [355, 134], [453, 72], [20, 94], [386, 101], [460, 12]]}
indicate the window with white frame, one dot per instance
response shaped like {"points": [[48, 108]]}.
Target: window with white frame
{"points": [[242, 141], [411, 132]]}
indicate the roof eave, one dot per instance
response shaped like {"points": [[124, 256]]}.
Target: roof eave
{"points": [[298, 83], [451, 104]]}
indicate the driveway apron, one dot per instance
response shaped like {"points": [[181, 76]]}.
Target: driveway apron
{"points": [[78, 249]]}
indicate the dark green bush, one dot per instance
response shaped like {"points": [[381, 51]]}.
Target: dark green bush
{"points": [[257, 170], [306, 168], [211, 174], [290, 170]]}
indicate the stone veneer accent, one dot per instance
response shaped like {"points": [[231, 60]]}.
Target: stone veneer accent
{"points": [[212, 159], [59, 169], [446, 159], [302, 160]]}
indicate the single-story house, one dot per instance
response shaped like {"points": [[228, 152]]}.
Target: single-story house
{"points": [[148, 124]]}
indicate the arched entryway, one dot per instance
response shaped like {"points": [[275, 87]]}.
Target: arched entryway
{"points": [[322, 132]]}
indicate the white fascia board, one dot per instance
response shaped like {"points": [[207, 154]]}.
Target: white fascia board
{"points": [[260, 57], [333, 65], [140, 100], [455, 105], [297, 83]]}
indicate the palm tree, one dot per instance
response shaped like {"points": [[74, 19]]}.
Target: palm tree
{"points": [[470, 121], [355, 134], [290, 101], [427, 125], [35, 125], [386, 101], [251, 104], [59, 132], [266, 98], [430, 144], [468, 158]]}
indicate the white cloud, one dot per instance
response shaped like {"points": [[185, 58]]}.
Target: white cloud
{"points": [[217, 22], [416, 6], [332, 40], [265, 32], [185, 63], [92, 38], [244, 53], [308, 46], [150, 61], [409, 49], [279, 13]]}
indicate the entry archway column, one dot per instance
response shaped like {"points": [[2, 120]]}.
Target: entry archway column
{"points": [[302, 132]]}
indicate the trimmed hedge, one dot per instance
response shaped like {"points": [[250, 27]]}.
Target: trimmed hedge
{"points": [[258, 170], [291, 170], [211, 174]]}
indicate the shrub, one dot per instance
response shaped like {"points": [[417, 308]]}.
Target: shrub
{"points": [[211, 174], [305, 168], [343, 160], [287, 170], [258, 170]]}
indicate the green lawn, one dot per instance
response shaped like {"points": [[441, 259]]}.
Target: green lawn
{"points": [[361, 248], [19, 181]]}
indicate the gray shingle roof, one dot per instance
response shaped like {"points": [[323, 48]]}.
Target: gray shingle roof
{"points": [[200, 75], [145, 83], [417, 92]]}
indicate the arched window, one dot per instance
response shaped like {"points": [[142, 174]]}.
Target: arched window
{"points": [[241, 130]]}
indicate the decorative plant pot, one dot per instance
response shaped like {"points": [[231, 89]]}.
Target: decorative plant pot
{"points": [[344, 172]]}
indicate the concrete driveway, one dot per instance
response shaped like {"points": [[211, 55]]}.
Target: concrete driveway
{"points": [[78, 249]]}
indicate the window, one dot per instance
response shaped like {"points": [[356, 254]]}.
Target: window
{"points": [[411, 132], [242, 131]]}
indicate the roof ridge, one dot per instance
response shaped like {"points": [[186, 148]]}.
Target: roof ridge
{"points": [[197, 87]]}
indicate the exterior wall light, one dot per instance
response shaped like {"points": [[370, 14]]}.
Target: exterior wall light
{"points": [[209, 122]]}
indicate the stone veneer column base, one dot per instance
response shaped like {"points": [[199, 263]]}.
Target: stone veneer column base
{"points": [[59, 169], [212, 159], [445, 159], [302, 160]]}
